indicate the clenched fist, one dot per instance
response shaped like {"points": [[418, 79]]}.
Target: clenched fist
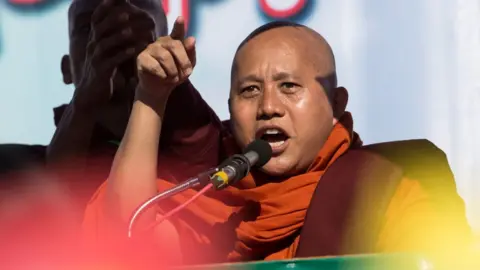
{"points": [[166, 63], [119, 32]]}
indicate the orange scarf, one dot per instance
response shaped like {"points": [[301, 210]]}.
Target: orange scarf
{"points": [[254, 222]]}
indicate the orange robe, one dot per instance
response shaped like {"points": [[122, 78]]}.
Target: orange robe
{"points": [[252, 222]]}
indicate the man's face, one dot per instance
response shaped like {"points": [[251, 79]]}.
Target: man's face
{"points": [[276, 96], [123, 91]]}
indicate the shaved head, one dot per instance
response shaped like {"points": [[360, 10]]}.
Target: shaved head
{"points": [[320, 50], [284, 80]]}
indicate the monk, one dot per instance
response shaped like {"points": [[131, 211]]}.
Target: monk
{"points": [[284, 91]]}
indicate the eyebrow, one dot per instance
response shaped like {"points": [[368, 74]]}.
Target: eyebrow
{"points": [[282, 76]]}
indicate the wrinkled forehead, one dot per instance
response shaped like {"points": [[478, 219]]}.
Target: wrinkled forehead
{"points": [[277, 47], [291, 49]]}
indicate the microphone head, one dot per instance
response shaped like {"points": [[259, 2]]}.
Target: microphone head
{"points": [[263, 150]]}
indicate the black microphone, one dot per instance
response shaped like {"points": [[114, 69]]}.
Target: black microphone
{"points": [[257, 154]]}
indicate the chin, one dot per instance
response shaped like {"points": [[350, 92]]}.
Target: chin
{"points": [[277, 168]]}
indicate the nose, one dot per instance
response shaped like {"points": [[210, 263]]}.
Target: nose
{"points": [[270, 105]]}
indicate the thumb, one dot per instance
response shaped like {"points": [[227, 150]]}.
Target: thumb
{"points": [[178, 31], [189, 44]]}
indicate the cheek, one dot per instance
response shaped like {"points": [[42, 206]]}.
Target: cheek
{"points": [[308, 107], [312, 119], [243, 117]]}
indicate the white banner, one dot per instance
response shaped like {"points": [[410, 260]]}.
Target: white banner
{"points": [[412, 67]]}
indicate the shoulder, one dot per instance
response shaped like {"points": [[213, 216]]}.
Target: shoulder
{"points": [[420, 220], [420, 160], [425, 206], [411, 154]]}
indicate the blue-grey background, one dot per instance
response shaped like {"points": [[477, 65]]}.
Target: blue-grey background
{"points": [[412, 68]]}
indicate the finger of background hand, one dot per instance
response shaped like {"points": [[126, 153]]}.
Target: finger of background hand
{"points": [[140, 22], [117, 43], [137, 33], [127, 36], [143, 19], [90, 47], [175, 47], [142, 28], [101, 11], [116, 21], [165, 59], [107, 44], [178, 31], [107, 64], [190, 47], [146, 63]]}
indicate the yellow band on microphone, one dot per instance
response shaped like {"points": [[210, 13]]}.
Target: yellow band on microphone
{"points": [[222, 176]]}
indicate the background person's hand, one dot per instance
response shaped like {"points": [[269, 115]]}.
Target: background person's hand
{"points": [[119, 32]]}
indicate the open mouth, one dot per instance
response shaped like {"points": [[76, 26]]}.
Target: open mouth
{"points": [[276, 137]]}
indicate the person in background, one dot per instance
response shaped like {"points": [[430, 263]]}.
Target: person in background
{"points": [[284, 91], [105, 38]]}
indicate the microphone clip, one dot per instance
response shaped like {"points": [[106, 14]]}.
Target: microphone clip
{"points": [[230, 171]]}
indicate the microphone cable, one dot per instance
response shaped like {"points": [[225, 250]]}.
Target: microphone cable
{"points": [[235, 168], [179, 208]]}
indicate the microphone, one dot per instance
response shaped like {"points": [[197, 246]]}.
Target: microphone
{"points": [[257, 154]]}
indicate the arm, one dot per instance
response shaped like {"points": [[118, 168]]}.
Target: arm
{"points": [[93, 82], [133, 175], [135, 164], [132, 180], [190, 126], [191, 131], [134, 172], [186, 113]]}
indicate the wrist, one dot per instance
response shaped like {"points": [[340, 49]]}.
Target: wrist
{"points": [[158, 102], [84, 103], [82, 111]]}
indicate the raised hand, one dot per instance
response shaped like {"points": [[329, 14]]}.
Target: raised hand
{"points": [[166, 63], [119, 32]]}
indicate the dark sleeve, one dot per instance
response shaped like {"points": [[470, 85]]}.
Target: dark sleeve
{"points": [[19, 157], [100, 135], [58, 113], [191, 131]]}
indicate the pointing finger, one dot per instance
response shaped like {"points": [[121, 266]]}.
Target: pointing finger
{"points": [[178, 31], [189, 44]]}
